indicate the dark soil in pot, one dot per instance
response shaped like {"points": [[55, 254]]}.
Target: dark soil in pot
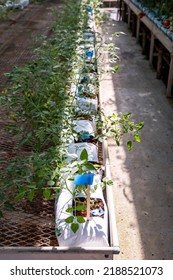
{"points": [[96, 207]]}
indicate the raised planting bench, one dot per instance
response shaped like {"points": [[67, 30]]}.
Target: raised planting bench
{"points": [[39, 229], [31, 234], [159, 37], [115, 2]]}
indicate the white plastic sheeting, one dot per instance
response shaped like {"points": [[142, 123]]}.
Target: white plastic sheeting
{"points": [[85, 126], [21, 4], [91, 233], [86, 105], [75, 150], [88, 90]]}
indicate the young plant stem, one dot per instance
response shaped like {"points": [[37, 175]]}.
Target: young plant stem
{"points": [[88, 203]]}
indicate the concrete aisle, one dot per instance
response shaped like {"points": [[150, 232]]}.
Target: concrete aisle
{"points": [[143, 178]]}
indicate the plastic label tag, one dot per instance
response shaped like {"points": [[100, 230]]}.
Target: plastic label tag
{"points": [[84, 179]]}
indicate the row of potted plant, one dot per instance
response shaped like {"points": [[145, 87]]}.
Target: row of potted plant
{"points": [[6, 6], [161, 7], [49, 102], [81, 211], [159, 12], [39, 112]]}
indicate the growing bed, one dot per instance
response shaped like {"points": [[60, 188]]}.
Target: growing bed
{"points": [[28, 232]]}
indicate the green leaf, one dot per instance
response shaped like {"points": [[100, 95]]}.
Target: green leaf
{"points": [[108, 181], [47, 193], [84, 155], [80, 207], [129, 145], [1, 196], [31, 195], [116, 67], [1, 214], [140, 125], [58, 231], [74, 227], [137, 138], [80, 219], [8, 205], [69, 220], [51, 183], [32, 186], [26, 138], [69, 210], [89, 166], [19, 196]]}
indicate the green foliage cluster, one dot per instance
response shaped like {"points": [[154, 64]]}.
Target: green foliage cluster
{"points": [[41, 111], [164, 7], [40, 108]]}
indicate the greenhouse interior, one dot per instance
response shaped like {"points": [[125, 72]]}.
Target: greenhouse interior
{"points": [[86, 151]]}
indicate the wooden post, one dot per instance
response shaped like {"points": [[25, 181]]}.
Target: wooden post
{"points": [[159, 63], [133, 25], [120, 9], [170, 78], [144, 40], [129, 17], [152, 40], [124, 6], [137, 29]]}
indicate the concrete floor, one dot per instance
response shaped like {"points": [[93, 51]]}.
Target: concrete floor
{"points": [[143, 177]]}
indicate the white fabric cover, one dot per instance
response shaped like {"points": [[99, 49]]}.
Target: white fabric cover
{"points": [[75, 149], [85, 125], [87, 104], [21, 4], [91, 233]]}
